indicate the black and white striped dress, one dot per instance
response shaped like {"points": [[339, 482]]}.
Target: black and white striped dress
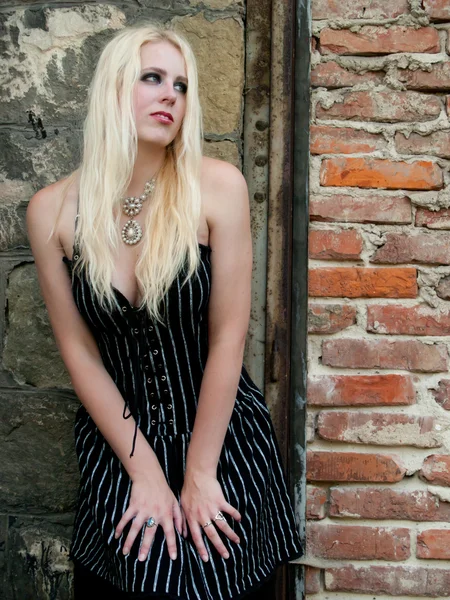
{"points": [[158, 370]]}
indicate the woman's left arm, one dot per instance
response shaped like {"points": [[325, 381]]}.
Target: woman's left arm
{"points": [[228, 318]]}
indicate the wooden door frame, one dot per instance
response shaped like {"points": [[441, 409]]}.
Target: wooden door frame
{"points": [[276, 165]]}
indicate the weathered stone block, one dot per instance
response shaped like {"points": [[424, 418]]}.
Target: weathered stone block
{"points": [[219, 49], [38, 470], [14, 196], [225, 150], [25, 157], [38, 559], [49, 55], [30, 351]]}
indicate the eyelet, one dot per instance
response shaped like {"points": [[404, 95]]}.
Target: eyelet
{"points": [[149, 380], [155, 352], [169, 406], [163, 377], [170, 421], [166, 391], [146, 367], [154, 407], [124, 309], [152, 394], [153, 422], [75, 257], [136, 330], [151, 328]]}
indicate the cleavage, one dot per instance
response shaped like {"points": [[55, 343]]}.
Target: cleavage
{"points": [[124, 277]]}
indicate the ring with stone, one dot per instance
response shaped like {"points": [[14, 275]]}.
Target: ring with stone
{"points": [[151, 522]]}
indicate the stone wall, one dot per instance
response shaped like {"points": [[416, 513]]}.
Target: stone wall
{"points": [[379, 316], [48, 54]]}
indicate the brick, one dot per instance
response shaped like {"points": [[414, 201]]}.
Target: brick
{"points": [[332, 76], [335, 245], [371, 40], [442, 394], [343, 140], [426, 248], [436, 144], [330, 318], [316, 499], [353, 466], [407, 320], [360, 390], [358, 9], [391, 580], [412, 355], [354, 542], [443, 288], [433, 219], [381, 173], [384, 503], [380, 429], [360, 209], [436, 79], [434, 543], [363, 282], [382, 107], [438, 10], [436, 469], [312, 580]]}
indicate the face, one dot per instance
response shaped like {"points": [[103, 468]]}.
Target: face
{"points": [[159, 97]]}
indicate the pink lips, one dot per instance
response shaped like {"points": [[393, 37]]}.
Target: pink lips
{"points": [[162, 117]]}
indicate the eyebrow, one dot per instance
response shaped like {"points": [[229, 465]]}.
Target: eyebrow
{"points": [[163, 73]]}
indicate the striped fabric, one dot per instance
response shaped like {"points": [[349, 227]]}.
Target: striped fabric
{"points": [[158, 370]]}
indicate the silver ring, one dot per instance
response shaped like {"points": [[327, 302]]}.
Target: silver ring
{"points": [[208, 523], [151, 522], [219, 517]]}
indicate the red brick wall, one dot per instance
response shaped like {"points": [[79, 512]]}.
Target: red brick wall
{"points": [[379, 315]]}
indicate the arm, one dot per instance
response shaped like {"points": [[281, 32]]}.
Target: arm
{"points": [[91, 382], [228, 317]]}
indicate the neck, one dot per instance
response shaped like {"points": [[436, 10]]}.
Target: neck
{"points": [[148, 162]]}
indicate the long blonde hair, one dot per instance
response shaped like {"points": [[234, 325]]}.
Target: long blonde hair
{"points": [[110, 149]]}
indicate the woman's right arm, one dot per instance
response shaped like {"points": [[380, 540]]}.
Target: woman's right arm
{"points": [[92, 383]]}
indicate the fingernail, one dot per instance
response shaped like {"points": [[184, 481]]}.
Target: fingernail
{"points": [[205, 557], [142, 556], [125, 550], [173, 556], [226, 555]]}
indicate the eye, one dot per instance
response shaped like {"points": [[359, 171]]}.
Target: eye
{"points": [[151, 76], [181, 86]]}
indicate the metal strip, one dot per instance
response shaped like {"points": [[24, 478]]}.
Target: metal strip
{"points": [[299, 311]]}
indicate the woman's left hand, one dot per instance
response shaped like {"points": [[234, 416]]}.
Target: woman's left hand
{"points": [[201, 500]]}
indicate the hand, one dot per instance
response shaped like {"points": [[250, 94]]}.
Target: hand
{"points": [[151, 498], [201, 499]]}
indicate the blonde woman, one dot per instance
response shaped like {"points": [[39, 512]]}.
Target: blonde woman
{"points": [[144, 260]]}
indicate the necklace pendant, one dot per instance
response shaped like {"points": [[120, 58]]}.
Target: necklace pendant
{"points": [[131, 232], [132, 206]]}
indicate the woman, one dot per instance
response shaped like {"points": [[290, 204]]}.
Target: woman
{"points": [[182, 493]]}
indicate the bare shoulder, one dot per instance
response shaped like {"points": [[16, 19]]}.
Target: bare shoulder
{"points": [[53, 205], [221, 181]]}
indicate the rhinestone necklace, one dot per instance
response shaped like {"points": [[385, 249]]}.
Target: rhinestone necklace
{"points": [[132, 206]]}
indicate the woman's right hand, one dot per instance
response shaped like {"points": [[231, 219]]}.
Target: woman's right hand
{"points": [[151, 498]]}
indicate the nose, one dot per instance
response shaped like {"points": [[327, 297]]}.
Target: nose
{"points": [[168, 93]]}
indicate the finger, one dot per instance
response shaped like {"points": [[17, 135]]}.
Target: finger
{"points": [[129, 514], [198, 540], [149, 536], [233, 512], [185, 531], [214, 537], [134, 530], [177, 517], [226, 529], [171, 539]]}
